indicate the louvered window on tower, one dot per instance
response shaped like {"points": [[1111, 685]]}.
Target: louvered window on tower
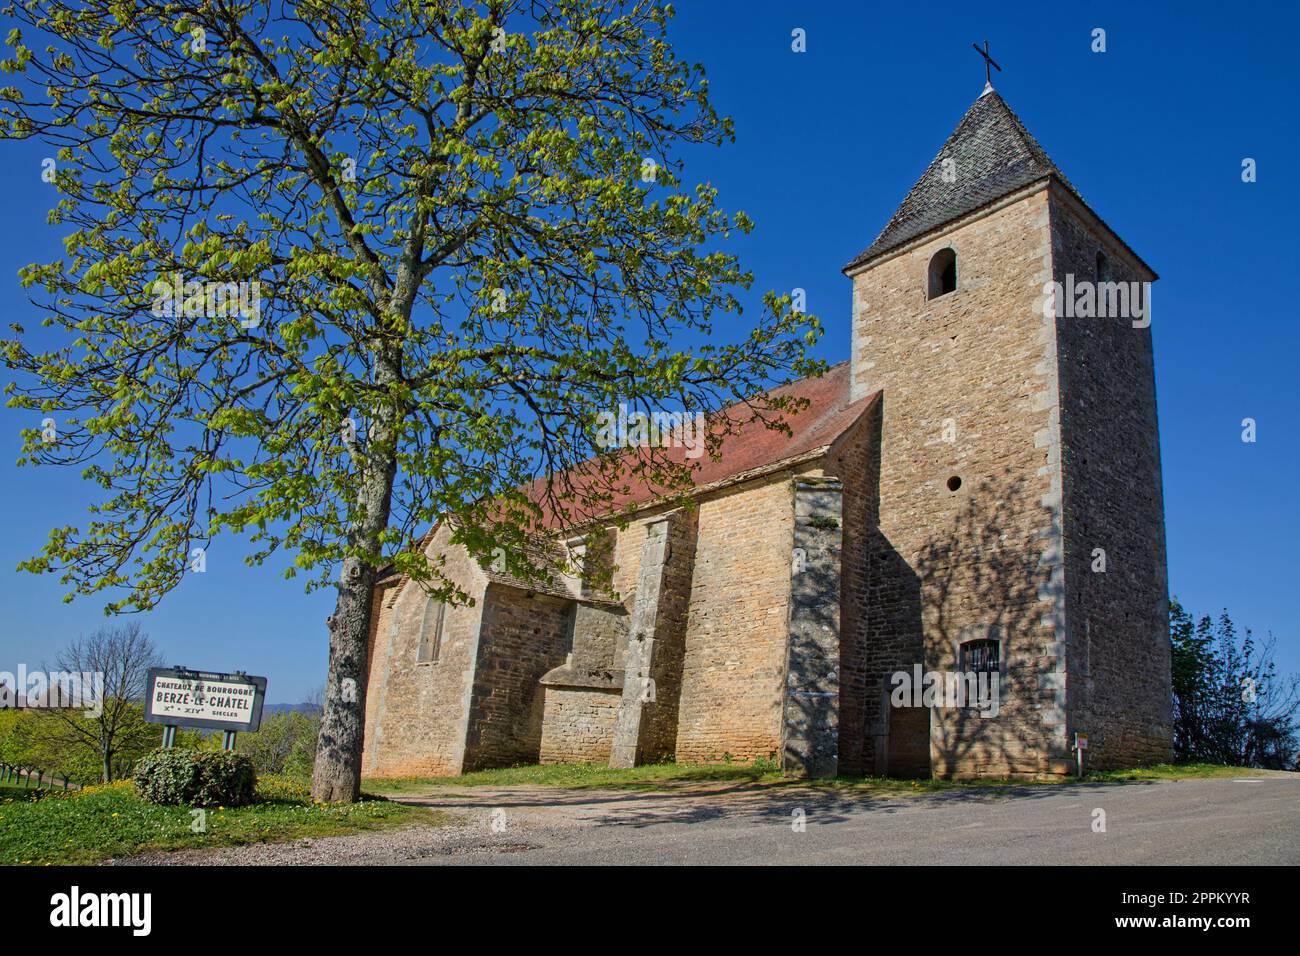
{"points": [[1103, 268], [943, 273]]}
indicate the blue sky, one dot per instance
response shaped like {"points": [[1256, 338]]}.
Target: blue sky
{"points": [[1152, 132]]}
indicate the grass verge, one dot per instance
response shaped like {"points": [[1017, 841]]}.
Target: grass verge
{"points": [[763, 774], [587, 776], [99, 823], [1173, 771]]}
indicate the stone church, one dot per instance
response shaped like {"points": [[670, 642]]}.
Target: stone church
{"points": [[976, 489]]}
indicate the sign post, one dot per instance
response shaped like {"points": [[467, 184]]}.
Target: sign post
{"points": [[208, 700], [1080, 745]]}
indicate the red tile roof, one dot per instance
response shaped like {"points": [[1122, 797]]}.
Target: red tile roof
{"points": [[754, 447], [828, 415]]}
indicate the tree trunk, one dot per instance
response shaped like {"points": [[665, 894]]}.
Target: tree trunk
{"points": [[336, 777], [337, 774], [108, 766]]}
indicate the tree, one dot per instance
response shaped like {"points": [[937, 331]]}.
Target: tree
{"points": [[118, 735], [1191, 661], [284, 743], [339, 268], [1230, 705]]}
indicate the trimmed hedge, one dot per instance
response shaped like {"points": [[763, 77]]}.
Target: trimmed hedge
{"points": [[196, 778]]}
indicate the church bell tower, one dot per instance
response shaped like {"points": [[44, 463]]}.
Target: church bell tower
{"points": [[1020, 517]]}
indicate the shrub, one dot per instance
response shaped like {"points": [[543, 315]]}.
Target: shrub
{"points": [[196, 778]]}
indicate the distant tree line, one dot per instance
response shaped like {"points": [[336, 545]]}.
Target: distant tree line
{"points": [[285, 743], [90, 749], [104, 748]]}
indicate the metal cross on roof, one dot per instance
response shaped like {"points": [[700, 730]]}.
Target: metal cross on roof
{"points": [[988, 61]]}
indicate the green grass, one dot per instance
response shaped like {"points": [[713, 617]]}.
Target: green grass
{"points": [[587, 776], [18, 790], [97, 823], [1170, 771], [653, 777], [8, 790], [763, 774]]}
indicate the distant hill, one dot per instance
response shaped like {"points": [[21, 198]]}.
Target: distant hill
{"points": [[312, 710]]}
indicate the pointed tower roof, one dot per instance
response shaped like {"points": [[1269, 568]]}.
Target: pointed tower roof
{"points": [[993, 155]]}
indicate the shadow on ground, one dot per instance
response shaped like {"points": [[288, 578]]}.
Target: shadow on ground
{"points": [[739, 801]]}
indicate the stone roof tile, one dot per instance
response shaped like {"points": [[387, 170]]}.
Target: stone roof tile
{"points": [[992, 156]]}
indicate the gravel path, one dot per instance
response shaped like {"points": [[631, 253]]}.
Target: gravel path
{"points": [[411, 843], [480, 822]]}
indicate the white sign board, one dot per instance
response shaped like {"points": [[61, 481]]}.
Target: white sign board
{"points": [[202, 699]]}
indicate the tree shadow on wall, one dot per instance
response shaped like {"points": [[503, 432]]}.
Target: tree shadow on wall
{"points": [[894, 741], [990, 578], [810, 698]]}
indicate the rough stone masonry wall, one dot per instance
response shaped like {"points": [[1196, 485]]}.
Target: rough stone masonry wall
{"points": [[577, 693], [415, 720], [523, 636], [881, 621], [855, 460], [628, 545], [1118, 618], [658, 737], [638, 683], [811, 709], [646, 728], [737, 624], [579, 725], [977, 366], [598, 632], [377, 649]]}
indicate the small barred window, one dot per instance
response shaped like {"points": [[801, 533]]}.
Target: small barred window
{"points": [[980, 657]]}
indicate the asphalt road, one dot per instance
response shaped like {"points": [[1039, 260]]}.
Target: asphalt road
{"points": [[1252, 820]]}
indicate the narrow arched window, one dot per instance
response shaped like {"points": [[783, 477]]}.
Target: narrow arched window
{"points": [[943, 273], [430, 633], [1103, 267]]}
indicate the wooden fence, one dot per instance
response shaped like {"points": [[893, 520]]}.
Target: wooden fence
{"points": [[15, 776]]}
